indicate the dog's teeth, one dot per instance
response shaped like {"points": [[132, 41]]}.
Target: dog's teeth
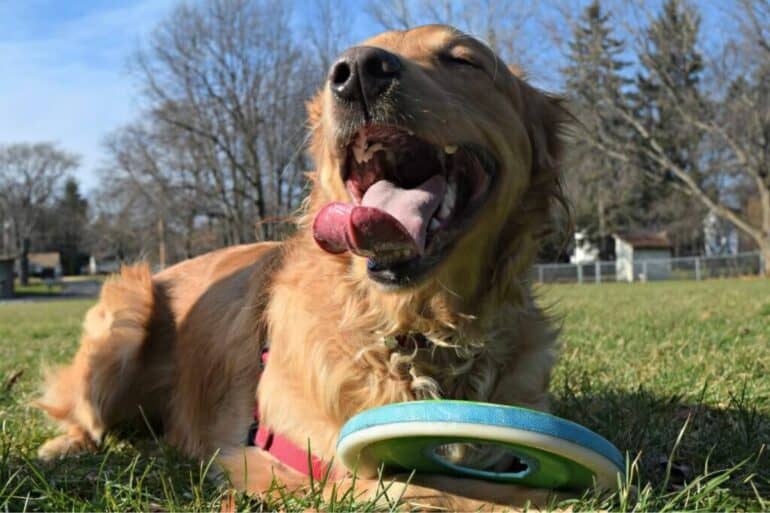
{"points": [[359, 146], [450, 149], [434, 224], [446, 209], [358, 154], [448, 204], [374, 148], [364, 152], [451, 194]]}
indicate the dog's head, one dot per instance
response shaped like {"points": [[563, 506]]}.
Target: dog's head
{"points": [[435, 162]]}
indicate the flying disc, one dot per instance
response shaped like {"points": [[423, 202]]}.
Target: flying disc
{"points": [[547, 451]]}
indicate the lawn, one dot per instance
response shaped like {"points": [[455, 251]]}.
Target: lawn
{"points": [[676, 374], [37, 288]]}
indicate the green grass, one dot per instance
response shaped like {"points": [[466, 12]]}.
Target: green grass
{"points": [[84, 277], [37, 288], [644, 363], [676, 374]]}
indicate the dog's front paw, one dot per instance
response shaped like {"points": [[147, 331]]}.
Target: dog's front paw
{"points": [[73, 442]]}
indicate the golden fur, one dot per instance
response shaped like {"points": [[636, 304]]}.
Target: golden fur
{"points": [[185, 344]]}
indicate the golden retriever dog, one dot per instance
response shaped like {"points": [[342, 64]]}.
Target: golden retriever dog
{"points": [[436, 171]]}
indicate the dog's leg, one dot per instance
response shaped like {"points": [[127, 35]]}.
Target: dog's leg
{"points": [[254, 471], [456, 494], [99, 387], [525, 382]]}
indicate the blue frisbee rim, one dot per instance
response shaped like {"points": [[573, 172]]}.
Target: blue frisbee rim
{"points": [[470, 412]]}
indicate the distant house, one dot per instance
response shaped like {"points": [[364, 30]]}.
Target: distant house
{"points": [[107, 264], [45, 265], [585, 251], [641, 256], [720, 236], [6, 277]]}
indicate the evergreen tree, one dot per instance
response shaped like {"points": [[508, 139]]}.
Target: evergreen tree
{"points": [[69, 220], [671, 61], [600, 187], [671, 57]]}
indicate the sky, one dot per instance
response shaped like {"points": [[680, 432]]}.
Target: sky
{"points": [[63, 71], [64, 68]]}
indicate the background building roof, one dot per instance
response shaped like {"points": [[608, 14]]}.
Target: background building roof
{"points": [[643, 240]]}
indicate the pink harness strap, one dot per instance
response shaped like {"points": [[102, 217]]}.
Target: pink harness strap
{"points": [[296, 457], [286, 451], [291, 455]]}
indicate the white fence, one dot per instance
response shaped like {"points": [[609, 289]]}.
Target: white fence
{"points": [[688, 268]]}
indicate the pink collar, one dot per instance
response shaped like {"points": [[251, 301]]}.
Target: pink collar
{"points": [[296, 457], [291, 455], [285, 451]]}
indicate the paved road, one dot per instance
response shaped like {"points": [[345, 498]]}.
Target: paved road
{"points": [[85, 289], [81, 289]]}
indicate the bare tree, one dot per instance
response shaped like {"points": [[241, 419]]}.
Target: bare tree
{"points": [[123, 223], [143, 211], [154, 162], [601, 190], [328, 33], [397, 14], [502, 24], [732, 123], [29, 176], [228, 76]]}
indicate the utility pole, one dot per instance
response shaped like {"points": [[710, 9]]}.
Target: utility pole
{"points": [[161, 243], [6, 249]]}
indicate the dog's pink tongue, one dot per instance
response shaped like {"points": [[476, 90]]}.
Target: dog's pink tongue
{"points": [[411, 208], [390, 224]]}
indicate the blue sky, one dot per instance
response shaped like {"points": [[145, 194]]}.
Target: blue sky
{"points": [[64, 76], [63, 67], [63, 71]]}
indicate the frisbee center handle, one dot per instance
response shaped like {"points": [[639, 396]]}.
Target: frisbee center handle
{"points": [[482, 459]]}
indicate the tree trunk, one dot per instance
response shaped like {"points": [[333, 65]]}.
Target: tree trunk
{"points": [[188, 236], [161, 243], [764, 254], [603, 249], [7, 239], [24, 262]]}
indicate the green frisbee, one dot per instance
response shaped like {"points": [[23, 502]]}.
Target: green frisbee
{"points": [[549, 452]]}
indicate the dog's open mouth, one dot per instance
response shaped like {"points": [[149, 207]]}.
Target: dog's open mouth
{"points": [[410, 201]]}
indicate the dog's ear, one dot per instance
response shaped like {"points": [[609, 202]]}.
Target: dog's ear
{"points": [[517, 71], [546, 119]]}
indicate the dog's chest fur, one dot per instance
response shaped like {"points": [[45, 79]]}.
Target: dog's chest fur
{"points": [[330, 357]]}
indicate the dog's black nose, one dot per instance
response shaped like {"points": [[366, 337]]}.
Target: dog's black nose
{"points": [[362, 73]]}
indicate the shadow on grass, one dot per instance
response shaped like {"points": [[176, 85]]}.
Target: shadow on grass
{"points": [[678, 441], [690, 456]]}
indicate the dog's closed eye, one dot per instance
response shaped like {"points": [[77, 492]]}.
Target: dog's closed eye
{"points": [[459, 56], [459, 60]]}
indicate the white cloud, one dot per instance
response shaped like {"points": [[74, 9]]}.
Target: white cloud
{"points": [[67, 81]]}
